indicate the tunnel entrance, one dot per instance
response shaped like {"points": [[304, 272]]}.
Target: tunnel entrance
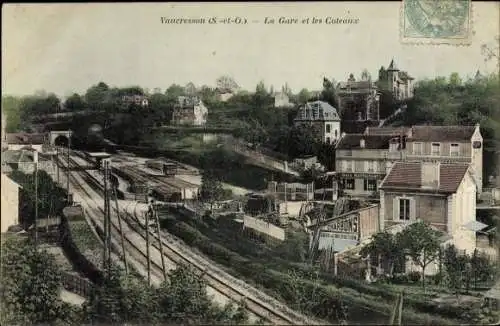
{"points": [[61, 141]]}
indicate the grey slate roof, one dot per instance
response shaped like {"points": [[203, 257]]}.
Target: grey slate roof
{"points": [[317, 111]]}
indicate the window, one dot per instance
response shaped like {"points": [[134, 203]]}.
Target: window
{"points": [[349, 184], [369, 166], [336, 133], [349, 166], [417, 148], [328, 128], [328, 140], [370, 185], [454, 149], [404, 209], [435, 149]]}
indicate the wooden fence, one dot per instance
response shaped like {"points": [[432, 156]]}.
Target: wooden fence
{"points": [[76, 284]]}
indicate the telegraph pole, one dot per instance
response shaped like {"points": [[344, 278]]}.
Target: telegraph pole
{"points": [[67, 177], [159, 241], [109, 216], [147, 247], [105, 224], [36, 201], [121, 230]]}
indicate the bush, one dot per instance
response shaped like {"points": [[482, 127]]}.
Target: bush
{"points": [[414, 276]]}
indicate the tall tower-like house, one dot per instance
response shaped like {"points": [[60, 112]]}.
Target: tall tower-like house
{"points": [[399, 82]]}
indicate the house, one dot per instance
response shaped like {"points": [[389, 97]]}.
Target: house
{"points": [[139, 100], [362, 161], [10, 203], [444, 195], [448, 144], [189, 111], [398, 82], [281, 100], [358, 100], [24, 160], [445, 144], [17, 141], [322, 117]]}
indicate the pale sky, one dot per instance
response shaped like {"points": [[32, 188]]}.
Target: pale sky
{"points": [[65, 48]]}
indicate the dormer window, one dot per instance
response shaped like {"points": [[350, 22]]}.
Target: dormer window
{"points": [[454, 149]]}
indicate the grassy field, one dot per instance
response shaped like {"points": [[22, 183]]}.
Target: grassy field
{"points": [[367, 303]]}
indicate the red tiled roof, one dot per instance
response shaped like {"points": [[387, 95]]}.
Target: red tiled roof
{"points": [[405, 175], [441, 133]]}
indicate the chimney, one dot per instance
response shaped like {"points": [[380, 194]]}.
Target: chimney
{"points": [[430, 174], [35, 156], [362, 143]]}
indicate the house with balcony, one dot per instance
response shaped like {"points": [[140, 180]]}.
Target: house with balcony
{"points": [[445, 144], [442, 194], [448, 144], [322, 118], [189, 110], [362, 161]]}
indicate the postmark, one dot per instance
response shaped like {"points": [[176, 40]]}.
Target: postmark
{"points": [[436, 22]]}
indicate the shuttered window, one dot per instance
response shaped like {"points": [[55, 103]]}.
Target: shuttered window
{"points": [[404, 209]]}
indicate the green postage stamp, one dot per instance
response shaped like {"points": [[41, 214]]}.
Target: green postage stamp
{"points": [[436, 21]]}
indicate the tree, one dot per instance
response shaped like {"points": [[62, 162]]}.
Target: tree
{"points": [[31, 284], [184, 300], [455, 79], [454, 268], [301, 141], [261, 96], [421, 244], [173, 92], [328, 94], [11, 108], [303, 96], [211, 188], [226, 83], [74, 103], [365, 75], [96, 95], [491, 51], [386, 247], [294, 247]]}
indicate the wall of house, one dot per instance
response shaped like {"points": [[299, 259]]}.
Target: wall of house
{"points": [[463, 211], [477, 158], [368, 222], [334, 133], [464, 150], [16, 147], [429, 208], [10, 203]]}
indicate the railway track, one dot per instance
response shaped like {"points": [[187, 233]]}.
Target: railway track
{"points": [[258, 303]]}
